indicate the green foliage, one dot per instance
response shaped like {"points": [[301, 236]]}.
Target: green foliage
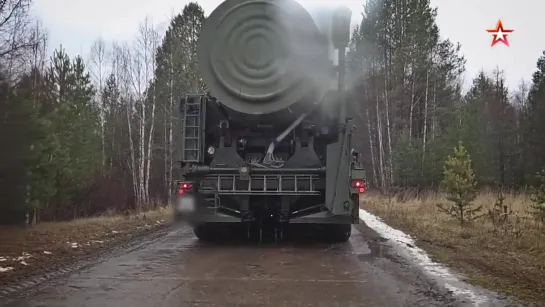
{"points": [[459, 184], [60, 139], [75, 126], [176, 71], [535, 126], [176, 75], [411, 169], [15, 127], [413, 86], [407, 160], [406, 75], [538, 197], [504, 220]]}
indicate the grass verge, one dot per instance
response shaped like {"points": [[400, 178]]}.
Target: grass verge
{"points": [[31, 251], [507, 257]]}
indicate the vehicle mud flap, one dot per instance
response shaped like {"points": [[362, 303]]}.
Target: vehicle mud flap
{"points": [[279, 233], [255, 232], [258, 232]]}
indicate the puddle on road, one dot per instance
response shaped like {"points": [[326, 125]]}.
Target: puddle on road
{"points": [[367, 249], [373, 251]]}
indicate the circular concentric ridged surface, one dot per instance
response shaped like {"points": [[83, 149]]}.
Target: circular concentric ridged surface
{"points": [[260, 56]]}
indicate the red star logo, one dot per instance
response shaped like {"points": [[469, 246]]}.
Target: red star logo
{"points": [[499, 34]]}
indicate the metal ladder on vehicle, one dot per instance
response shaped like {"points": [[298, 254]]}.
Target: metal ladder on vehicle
{"points": [[191, 129]]}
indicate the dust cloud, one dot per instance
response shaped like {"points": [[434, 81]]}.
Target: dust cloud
{"points": [[322, 13], [314, 54]]}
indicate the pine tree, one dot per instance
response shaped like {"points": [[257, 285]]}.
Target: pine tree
{"points": [[538, 197], [74, 130], [15, 133], [487, 124], [535, 113], [44, 143], [114, 128], [57, 77], [459, 184], [477, 126], [84, 139]]}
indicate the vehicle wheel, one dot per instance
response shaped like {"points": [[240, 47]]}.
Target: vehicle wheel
{"points": [[204, 233], [340, 232]]}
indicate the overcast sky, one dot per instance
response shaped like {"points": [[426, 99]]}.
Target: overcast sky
{"points": [[77, 23]]}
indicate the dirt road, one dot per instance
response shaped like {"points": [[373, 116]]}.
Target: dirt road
{"points": [[177, 270]]}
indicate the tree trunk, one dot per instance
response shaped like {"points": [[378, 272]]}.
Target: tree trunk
{"points": [[388, 130], [380, 144], [171, 108], [150, 145], [170, 118], [411, 105], [425, 128], [135, 185], [433, 114], [372, 148], [165, 150], [142, 153]]}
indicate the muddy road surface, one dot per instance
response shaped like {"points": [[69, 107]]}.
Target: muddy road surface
{"points": [[177, 270]]}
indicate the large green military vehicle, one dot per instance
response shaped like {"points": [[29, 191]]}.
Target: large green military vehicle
{"points": [[270, 144]]}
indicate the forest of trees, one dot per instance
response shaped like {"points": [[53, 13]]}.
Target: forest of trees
{"points": [[86, 136], [412, 112]]}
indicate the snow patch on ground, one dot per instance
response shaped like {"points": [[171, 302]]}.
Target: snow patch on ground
{"points": [[25, 256], [405, 243]]}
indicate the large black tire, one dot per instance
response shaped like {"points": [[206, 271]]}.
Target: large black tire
{"points": [[340, 232], [205, 232]]}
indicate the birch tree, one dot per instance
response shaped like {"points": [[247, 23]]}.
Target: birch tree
{"points": [[148, 42], [98, 70], [16, 35], [402, 65], [121, 63], [175, 76]]}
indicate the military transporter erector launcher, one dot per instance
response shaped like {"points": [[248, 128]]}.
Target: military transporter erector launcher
{"points": [[270, 144]]}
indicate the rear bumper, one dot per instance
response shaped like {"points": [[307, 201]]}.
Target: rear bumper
{"points": [[205, 212], [324, 218], [207, 216]]}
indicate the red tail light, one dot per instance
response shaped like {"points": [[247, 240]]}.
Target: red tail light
{"points": [[184, 187], [359, 184]]}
